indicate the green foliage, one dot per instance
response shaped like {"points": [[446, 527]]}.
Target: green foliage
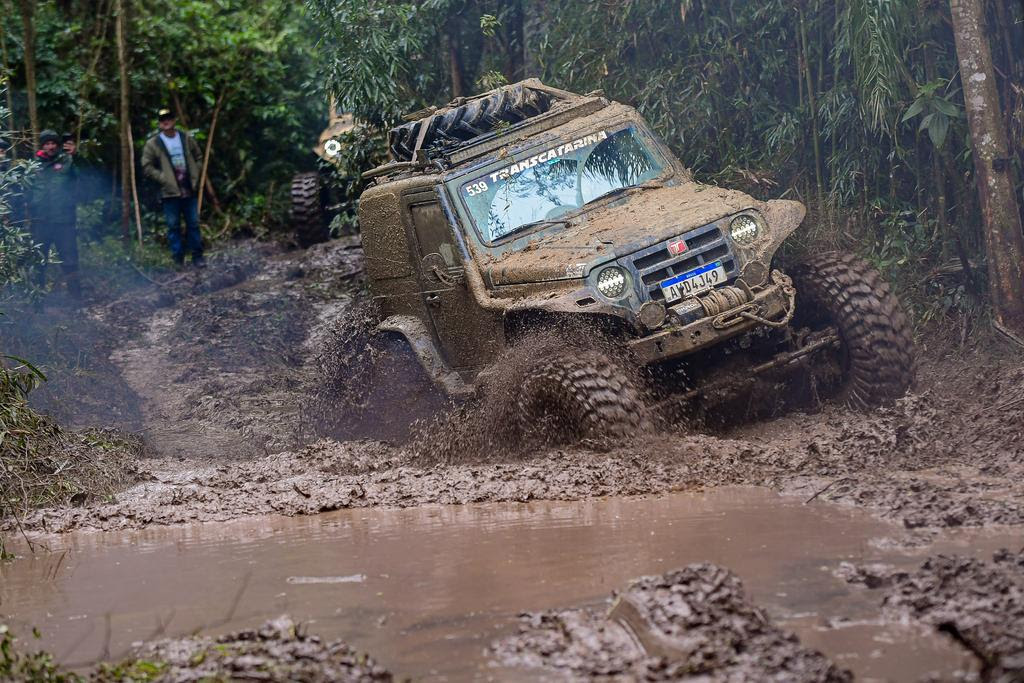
{"points": [[491, 80], [256, 58], [367, 51], [40, 667], [35, 667], [18, 254], [937, 112], [489, 24], [362, 148]]}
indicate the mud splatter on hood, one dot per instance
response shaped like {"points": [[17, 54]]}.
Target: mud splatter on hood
{"points": [[629, 223]]}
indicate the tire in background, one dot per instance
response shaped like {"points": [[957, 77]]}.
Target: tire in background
{"points": [[309, 217], [877, 356]]}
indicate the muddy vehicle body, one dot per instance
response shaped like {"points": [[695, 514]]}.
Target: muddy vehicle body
{"points": [[530, 209]]}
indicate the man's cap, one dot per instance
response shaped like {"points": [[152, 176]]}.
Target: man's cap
{"points": [[164, 114], [48, 136]]}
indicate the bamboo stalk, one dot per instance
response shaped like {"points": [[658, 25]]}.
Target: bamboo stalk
{"points": [[135, 186], [179, 110], [125, 104], [209, 146], [812, 103], [11, 125]]}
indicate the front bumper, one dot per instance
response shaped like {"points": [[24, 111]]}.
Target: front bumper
{"points": [[773, 302]]}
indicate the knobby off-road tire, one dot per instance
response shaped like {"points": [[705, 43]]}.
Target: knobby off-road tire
{"points": [[309, 220], [877, 357], [579, 395], [506, 106]]}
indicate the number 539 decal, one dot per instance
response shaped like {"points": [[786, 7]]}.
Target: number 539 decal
{"points": [[474, 189]]}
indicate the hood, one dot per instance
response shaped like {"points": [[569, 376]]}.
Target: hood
{"points": [[627, 224]]}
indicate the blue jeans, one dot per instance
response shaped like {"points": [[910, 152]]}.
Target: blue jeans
{"points": [[174, 209]]}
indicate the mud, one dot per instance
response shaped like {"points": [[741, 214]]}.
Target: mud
{"points": [[979, 604], [279, 650], [428, 589], [233, 373], [696, 621], [949, 456]]}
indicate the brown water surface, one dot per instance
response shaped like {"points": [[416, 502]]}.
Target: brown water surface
{"points": [[425, 590]]}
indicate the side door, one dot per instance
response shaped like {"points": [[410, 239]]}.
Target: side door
{"points": [[469, 336]]}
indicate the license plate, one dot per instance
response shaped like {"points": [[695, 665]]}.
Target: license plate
{"points": [[693, 282]]}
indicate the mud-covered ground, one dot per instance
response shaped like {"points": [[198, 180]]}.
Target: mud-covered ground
{"points": [[217, 370], [696, 621], [979, 604], [278, 650]]}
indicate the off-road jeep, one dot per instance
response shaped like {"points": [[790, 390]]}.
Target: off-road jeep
{"points": [[528, 209]]}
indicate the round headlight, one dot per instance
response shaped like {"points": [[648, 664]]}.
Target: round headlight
{"points": [[612, 282], [743, 228]]}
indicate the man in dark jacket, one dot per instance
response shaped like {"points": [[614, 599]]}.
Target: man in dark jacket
{"points": [[171, 159], [51, 201]]}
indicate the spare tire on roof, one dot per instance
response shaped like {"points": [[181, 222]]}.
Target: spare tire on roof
{"points": [[451, 126]]}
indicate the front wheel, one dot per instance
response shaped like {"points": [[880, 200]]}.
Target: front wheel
{"points": [[579, 395], [876, 359]]}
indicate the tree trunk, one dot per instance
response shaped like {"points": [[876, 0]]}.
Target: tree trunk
{"points": [[1004, 238], [534, 30], [455, 66], [135, 185], [126, 151], [514, 40], [27, 8], [100, 39]]}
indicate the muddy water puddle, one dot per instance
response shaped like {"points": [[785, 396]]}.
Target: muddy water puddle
{"points": [[425, 590]]}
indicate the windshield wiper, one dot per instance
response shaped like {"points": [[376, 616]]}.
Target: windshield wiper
{"points": [[621, 190], [546, 221]]}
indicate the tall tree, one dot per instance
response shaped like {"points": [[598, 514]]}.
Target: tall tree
{"points": [[27, 8], [126, 122], [1004, 239]]}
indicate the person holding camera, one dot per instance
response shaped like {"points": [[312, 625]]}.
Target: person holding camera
{"points": [[51, 201], [171, 159]]}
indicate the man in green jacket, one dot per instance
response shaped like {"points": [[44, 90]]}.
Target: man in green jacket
{"points": [[51, 202], [171, 159]]}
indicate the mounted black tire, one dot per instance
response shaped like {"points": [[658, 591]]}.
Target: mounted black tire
{"points": [[309, 215], [876, 359], [507, 105], [582, 395]]}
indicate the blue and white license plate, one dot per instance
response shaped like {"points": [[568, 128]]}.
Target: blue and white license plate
{"points": [[693, 282]]}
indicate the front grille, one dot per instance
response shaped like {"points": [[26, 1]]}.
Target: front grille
{"points": [[706, 244]]}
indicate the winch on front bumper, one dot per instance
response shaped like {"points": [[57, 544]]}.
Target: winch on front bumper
{"points": [[702, 321]]}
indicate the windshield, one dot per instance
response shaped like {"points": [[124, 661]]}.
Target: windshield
{"points": [[557, 181]]}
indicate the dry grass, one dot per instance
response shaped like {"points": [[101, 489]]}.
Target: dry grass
{"points": [[42, 465]]}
